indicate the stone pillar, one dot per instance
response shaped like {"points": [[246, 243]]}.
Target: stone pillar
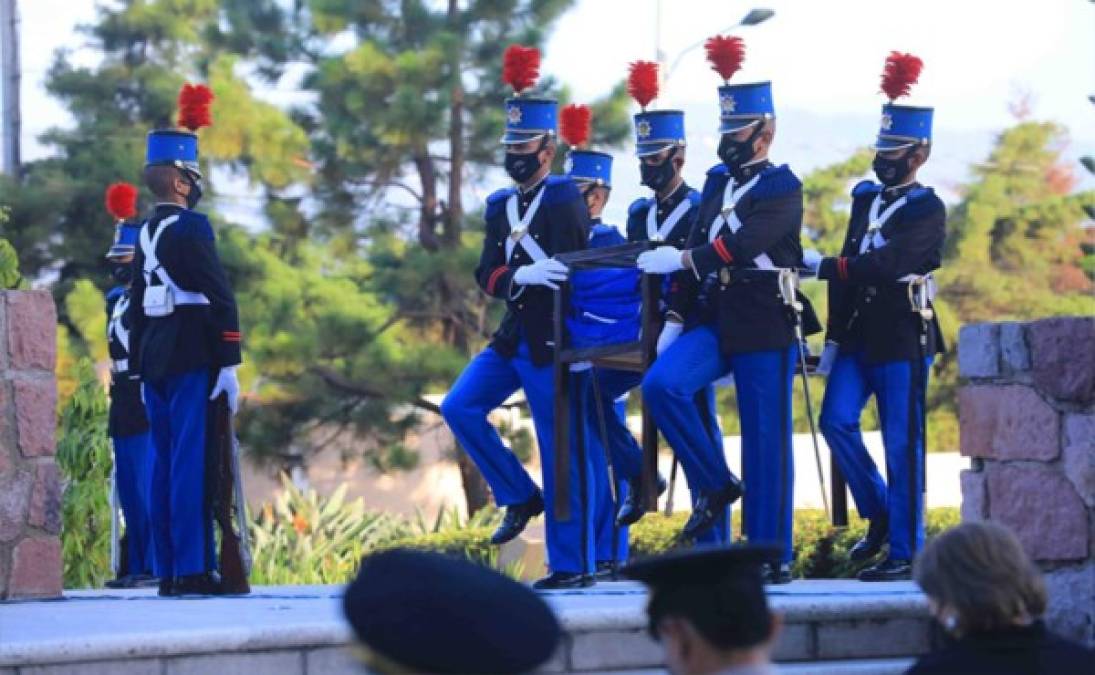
{"points": [[1027, 412], [30, 484]]}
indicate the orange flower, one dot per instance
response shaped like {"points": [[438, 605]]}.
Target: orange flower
{"points": [[300, 524]]}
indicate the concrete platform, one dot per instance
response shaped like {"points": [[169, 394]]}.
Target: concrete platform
{"points": [[831, 627]]}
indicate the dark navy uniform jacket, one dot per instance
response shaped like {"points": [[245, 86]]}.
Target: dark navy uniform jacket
{"points": [[869, 307], [193, 336], [127, 415], [560, 225], [677, 237], [746, 305]]}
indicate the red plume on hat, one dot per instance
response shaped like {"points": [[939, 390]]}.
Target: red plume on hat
{"points": [[726, 54], [121, 200], [575, 125], [642, 82], [900, 74], [520, 67], [194, 102]]}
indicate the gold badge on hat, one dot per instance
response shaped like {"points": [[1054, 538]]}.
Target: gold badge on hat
{"points": [[514, 114], [727, 103], [643, 129], [887, 121]]}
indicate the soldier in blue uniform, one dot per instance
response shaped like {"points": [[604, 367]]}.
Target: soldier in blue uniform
{"points": [[734, 317], [185, 337], [127, 424], [541, 216], [882, 335]]}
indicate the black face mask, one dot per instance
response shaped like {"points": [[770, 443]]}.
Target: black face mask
{"points": [[891, 172], [658, 176], [736, 153], [122, 273], [523, 166], [195, 194]]}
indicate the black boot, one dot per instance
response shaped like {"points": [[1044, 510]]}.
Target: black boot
{"points": [[563, 580], [776, 573], [890, 569], [167, 588], [871, 543], [206, 583], [516, 519], [710, 507], [634, 507], [606, 571]]}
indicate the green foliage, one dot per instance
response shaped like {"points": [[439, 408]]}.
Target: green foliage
{"points": [[84, 457], [303, 538], [10, 278], [820, 550], [84, 306]]}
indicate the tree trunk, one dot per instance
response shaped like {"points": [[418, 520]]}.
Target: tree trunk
{"points": [[427, 219], [476, 491], [455, 213]]}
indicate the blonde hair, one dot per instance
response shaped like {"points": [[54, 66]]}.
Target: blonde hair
{"points": [[981, 571]]}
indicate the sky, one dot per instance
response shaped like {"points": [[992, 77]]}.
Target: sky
{"points": [[823, 58]]}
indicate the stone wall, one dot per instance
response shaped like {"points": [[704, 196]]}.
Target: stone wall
{"points": [[1027, 412], [30, 485]]}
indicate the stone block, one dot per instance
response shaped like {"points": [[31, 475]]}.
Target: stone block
{"points": [[1007, 422], [796, 643], [45, 498], [1078, 455], [1014, 354], [1062, 354], [614, 650], [331, 661], [282, 662], [15, 487], [35, 416], [32, 330], [7, 427], [1071, 610], [974, 497], [979, 350], [1042, 507], [888, 637], [126, 667], [36, 568]]}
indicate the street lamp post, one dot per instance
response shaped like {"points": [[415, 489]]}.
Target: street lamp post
{"points": [[754, 17]]}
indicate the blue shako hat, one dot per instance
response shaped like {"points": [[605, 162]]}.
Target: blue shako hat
{"points": [[902, 126], [741, 105], [529, 118], [589, 166], [174, 147], [125, 241], [656, 130]]}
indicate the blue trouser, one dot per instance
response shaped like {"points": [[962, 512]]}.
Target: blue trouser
{"points": [[627, 455], [483, 386], [900, 412], [763, 380], [182, 529], [133, 476]]}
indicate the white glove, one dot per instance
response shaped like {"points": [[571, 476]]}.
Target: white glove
{"points": [[144, 399], [812, 259], [227, 383], [541, 273], [828, 358], [662, 260], [670, 332]]}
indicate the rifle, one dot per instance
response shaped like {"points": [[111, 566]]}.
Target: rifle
{"points": [[225, 489]]}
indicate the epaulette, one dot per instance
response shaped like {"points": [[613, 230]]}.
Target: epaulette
{"points": [[638, 207], [695, 197], [497, 200], [866, 187], [193, 224], [718, 170], [114, 294], [921, 201], [776, 181], [560, 190]]}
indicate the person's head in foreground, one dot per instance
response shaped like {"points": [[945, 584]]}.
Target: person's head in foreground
{"points": [[989, 597], [422, 612], [709, 611]]}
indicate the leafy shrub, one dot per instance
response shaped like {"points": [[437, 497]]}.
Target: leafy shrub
{"points": [[820, 550], [9, 267], [302, 538], [85, 460]]}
